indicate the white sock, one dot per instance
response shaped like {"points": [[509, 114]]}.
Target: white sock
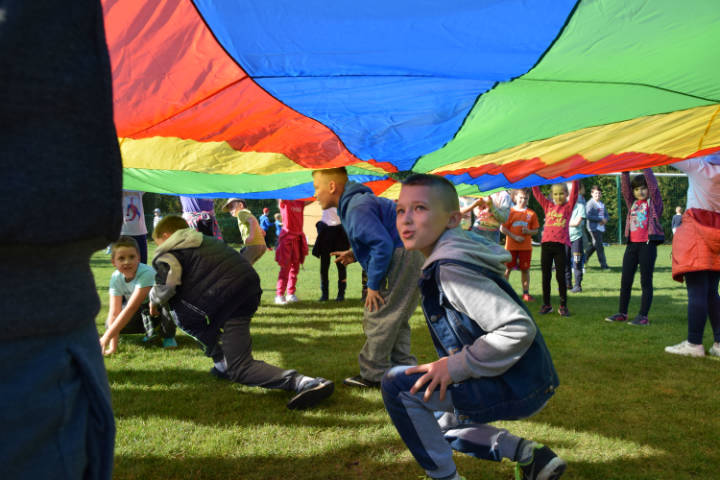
{"points": [[221, 366], [301, 382]]}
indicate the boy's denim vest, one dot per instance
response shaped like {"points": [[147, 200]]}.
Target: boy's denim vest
{"points": [[520, 391]]}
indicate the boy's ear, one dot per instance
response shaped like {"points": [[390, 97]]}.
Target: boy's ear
{"points": [[454, 219]]}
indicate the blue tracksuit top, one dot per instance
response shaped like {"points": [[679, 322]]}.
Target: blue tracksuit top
{"points": [[369, 222]]}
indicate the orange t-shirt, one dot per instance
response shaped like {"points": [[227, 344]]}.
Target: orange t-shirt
{"points": [[515, 222]]}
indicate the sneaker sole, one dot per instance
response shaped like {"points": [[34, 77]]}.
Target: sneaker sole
{"points": [[355, 384], [311, 396], [686, 354], [553, 470]]}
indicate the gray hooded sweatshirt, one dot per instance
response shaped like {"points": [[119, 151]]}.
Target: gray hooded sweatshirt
{"points": [[510, 330]]}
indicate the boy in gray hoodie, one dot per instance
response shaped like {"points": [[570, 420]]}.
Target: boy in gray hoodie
{"points": [[494, 364]]}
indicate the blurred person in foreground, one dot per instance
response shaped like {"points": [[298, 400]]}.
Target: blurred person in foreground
{"points": [[58, 146]]}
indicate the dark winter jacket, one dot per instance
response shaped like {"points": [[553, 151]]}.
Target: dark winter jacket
{"points": [[205, 282]]}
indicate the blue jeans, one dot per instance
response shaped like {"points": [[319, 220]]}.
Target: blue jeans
{"points": [[432, 431], [55, 412]]}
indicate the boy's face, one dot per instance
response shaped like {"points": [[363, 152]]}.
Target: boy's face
{"points": [[325, 191], [678, 210], [596, 195], [641, 193], [422, 217], [559, 194], [521, 199], [126, 260]]}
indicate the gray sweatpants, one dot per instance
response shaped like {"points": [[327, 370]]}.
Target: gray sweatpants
{"points": [[387, 331], [253, 252]]}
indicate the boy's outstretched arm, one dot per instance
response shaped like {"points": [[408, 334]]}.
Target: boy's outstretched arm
{"points": [[113, 330]]}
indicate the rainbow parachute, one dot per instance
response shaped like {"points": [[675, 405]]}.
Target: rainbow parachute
{"points": [[217, 98]]}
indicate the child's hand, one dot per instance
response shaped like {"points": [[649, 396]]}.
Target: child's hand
{"points": [[108, 345], [436, 373], [480, 202], [345, 257], [373, 300], [525, 231], [154, 310]]}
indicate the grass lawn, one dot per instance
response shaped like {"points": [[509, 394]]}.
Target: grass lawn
{"points": [[624, 409]]}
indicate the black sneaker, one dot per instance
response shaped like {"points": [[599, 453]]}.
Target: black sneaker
{"points": [[544, 464], [360, 382], [313, 393]]}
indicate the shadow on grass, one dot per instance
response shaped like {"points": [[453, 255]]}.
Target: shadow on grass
{"points": [[356, 461], [198, 397]]}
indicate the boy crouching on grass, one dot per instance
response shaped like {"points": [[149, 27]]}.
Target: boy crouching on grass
{"points": [[213, 292], [129, 310], [493, 364]]}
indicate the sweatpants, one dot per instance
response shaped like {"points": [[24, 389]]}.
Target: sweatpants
{"points": [[236, 347], [553, 252], [432, 431], [640, 254], [387, 332], [703, 303], [287, 279], [596, 243], [252, 253]]}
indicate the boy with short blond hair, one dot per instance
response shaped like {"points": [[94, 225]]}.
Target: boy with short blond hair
{"points": [[494, 364], [129, 306], [521, 225], [213, 292], [392, 295]]}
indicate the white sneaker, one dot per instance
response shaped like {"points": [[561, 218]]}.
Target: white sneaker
{"points": [[280, 300], [715, 350], [686, 348], [291, 298]]}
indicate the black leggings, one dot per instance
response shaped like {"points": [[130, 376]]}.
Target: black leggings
{"points": [[638, 254], [703, 304], [325, 270], [553, 252]]}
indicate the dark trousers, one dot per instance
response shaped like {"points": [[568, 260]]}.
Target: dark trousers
{"points": [[325, 270], [142, 322], [703, 303], [236, 347], [553, 252], [643, 255], [596, 243], [142, 245]]}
